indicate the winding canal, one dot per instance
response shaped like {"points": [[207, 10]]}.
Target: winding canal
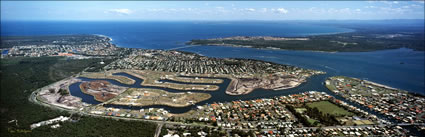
{"points": [[314, 83]]}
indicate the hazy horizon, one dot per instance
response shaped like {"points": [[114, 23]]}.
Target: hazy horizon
{"points": [[209, 10]]}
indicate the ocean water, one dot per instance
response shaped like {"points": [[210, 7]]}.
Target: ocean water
{"points": [[399, 68], [165, 35]]}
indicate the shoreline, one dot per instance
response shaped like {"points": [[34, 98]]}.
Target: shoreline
{"points": [[280, 49], [252, 89], [375, 84], [249, 90], [320, 51]]}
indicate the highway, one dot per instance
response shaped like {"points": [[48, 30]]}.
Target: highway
{"points": [[158, 129]]}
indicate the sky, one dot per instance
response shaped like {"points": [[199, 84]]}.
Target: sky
{"points": [[211, 10]]}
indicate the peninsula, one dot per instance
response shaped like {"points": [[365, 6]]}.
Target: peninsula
{"points": [[395, 103]]}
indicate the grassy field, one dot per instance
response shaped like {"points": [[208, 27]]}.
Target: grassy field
{"points": [[363, 122], [311, 121], [327, 107], [20, 76], [300, 110]]}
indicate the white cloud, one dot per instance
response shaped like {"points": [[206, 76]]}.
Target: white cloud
{"points": [[393, 10], [315, 10], [120, 11], [369, 7], [370, 1], [174, 10], [420, 1], [264, 10], [345, 11], [156, 9], [416, 6], [334, 11], [221, 10], [282, 10], [250, 9], [388, 2]]}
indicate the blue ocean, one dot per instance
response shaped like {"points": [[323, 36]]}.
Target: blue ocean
{"points": [[383, 67]]}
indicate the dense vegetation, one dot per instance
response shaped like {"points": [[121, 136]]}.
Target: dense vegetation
{"points": [[302, 119], [20, 76], [367, 37], [324, 118]]}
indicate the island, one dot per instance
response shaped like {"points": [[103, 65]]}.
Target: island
{"points": [[101, 90], [362, 39]]}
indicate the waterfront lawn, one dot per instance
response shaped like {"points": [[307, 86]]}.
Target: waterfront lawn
{"points": [[300, 110], [313, 121], [327, 107]]}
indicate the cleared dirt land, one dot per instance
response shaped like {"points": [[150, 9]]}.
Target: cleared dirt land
{"points": [[101, 90], [108, 75], [146, 97]]}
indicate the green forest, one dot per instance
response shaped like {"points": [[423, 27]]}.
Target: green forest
{"points": [[22, 75]]}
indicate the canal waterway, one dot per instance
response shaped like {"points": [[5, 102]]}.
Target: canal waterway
{"points": [[314, 83]]}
